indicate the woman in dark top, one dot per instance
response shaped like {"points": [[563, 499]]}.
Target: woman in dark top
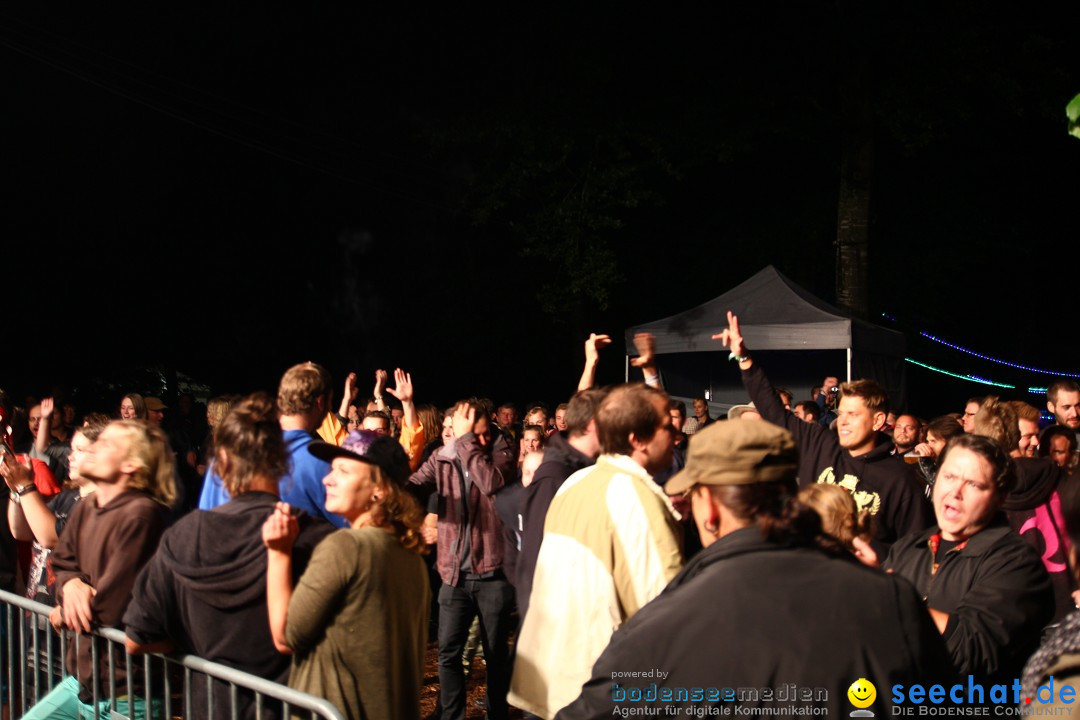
{"points": [[204, 592]]}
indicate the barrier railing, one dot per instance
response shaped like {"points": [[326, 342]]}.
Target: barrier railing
{"points": [[33, 665]]}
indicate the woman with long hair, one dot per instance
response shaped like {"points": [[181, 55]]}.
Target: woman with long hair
{"points": [[356, 622], [132, 407], [842, 519], [204, 591], [939, 432]]}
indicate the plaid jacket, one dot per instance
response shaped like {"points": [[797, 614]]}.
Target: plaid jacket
{"points": [[487, 470]]}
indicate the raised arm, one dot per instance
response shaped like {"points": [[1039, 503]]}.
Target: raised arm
{"points": [[279, 534], [19, 479], [413, 435], [646, 359], [29, 517], [592, 359], [731, 338], [488, 471], [380, 383], [349, 395], [44, 433], [761, 391], [403, 391]]}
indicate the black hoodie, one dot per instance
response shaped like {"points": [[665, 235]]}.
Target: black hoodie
{"points": [[205, 590], [561, 460], [1034, 511], [878, 481], [994, 590]]}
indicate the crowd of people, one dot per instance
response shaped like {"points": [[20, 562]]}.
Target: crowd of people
{"points": [[582, 550]]}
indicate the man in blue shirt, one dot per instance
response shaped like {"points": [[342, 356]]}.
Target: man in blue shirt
{"points": [[303, 398]]}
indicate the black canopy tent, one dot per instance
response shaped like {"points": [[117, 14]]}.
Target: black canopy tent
{"points": [[775, 314]]}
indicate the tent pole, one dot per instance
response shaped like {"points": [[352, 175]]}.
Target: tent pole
{"points": [[849, 364], [626, 370]]}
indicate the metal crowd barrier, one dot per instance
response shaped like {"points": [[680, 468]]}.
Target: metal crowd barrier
{"points": [[38, 651]]}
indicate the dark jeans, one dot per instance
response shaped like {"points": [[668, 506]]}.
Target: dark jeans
{"points": [[493, 601]]}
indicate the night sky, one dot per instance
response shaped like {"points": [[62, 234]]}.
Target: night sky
{"points": [[467, 191]]}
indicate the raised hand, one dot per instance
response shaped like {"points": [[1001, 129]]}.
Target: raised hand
{"points": [[464, 419], [593, 346], [731, 337], [351, 390], [403, 389], [48, 405], [646, 347]]}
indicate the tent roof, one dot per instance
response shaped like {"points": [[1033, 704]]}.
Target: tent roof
{"points": [[774, 314]]}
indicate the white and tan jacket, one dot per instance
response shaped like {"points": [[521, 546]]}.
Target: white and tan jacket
{"points": [[610, 546]]}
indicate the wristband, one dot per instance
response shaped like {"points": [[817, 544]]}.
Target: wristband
{"points": [[27, 488], [738, 358]]}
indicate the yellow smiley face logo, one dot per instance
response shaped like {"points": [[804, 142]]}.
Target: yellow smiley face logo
{"points": [[862, 693]]}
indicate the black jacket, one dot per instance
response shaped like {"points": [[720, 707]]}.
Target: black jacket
{"points": [[994, 589], [205, 590], [509, 503], [878, 481], [748, 613], [561, 460], [1034, 511]]}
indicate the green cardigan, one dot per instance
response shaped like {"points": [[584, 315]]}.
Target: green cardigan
{"points": [[357, 624]]}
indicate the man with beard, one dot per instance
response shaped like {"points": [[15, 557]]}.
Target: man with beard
{"points": [[906, 434]]}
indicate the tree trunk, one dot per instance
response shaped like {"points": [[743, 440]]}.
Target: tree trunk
{"points": [[853, 212]]}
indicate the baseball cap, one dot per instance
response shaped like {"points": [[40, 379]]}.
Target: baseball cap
{"points": [[730, 452], [155, 404], [368, 447]]}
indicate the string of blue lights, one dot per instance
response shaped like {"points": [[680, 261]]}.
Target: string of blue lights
{"points": [[1035, 390], [1018, 366], [969, 378], [974, 378]]}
